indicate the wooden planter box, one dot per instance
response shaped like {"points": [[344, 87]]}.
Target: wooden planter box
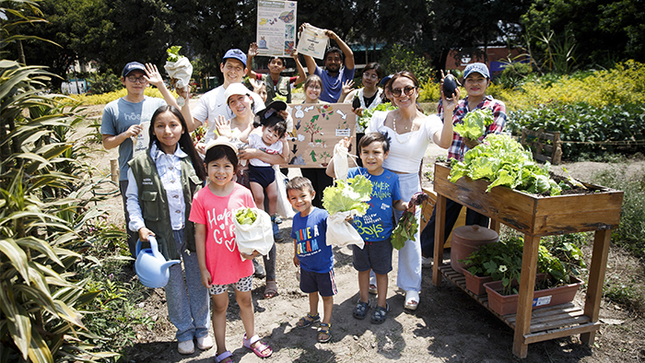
{"points": [[507, 304], [475, 284], [533, 214]]}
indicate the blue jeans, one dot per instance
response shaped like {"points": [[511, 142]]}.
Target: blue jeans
{"points": [[187, 299]]}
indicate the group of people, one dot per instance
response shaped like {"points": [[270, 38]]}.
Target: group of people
{"points": [[185, 195]]}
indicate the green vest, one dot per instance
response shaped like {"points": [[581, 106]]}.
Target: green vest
{"points": [[154, 203], [283, 88]]}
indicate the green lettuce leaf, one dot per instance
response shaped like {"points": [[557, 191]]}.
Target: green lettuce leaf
{"points": [[346, 195], [245, 216], [475, 123]]}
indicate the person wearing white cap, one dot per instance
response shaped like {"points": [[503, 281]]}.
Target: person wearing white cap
{"points": [[476, 81], [213, 103]]}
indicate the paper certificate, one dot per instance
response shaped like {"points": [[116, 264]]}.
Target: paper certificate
{"points": [[313, 42], [276, 34]]}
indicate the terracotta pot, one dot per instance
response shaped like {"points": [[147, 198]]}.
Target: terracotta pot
{"points": [[475, 284], [466, 240], [507, 304]]}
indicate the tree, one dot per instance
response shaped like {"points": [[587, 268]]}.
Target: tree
{"points": [[604, 30]]}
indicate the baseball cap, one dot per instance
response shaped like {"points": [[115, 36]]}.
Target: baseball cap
{"points": [[222, 140], [235, 54], [476, 67], [133, 66], [235, 89]]}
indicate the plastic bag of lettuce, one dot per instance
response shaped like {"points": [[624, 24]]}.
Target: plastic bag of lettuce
{"points": [[503, 161]]}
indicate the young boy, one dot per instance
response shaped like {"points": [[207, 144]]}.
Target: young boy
{"points": [[275, 84], [271, 140], [312, 255], [376, 226]]}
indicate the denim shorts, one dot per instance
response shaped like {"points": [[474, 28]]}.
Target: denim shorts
{"points": [[323, 283], [376, 256]]}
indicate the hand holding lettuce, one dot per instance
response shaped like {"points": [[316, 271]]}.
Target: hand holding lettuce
{"points": [[345, 200], [179, 70], [475, 123], [408, 225], [253, 231]]}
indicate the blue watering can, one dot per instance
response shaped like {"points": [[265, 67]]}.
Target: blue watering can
{"points": [[151, 266]]}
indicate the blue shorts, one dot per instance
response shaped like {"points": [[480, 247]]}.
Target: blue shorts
{"points": [[376, 256], [263, 175], [323, 283]]}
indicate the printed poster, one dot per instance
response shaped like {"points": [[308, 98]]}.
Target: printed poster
{"points": [[141, 141], [317, 128], [276, 30], [313, 42]]}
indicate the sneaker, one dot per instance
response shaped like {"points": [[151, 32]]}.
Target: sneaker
{"points": [[276, 219], [426, 262], [278, 237], [186, 347], [205, 342], [259, 271]]}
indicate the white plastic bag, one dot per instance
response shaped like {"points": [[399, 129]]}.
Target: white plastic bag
{"points": [[341, 165], [257, 236], [340, 232], [284, 207]]}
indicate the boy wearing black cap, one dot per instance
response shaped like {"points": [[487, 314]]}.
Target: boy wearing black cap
{"points": [[476, 81], [122, 120]]}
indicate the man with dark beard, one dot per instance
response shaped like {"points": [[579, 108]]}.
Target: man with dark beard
{"points": [[336, 71]]}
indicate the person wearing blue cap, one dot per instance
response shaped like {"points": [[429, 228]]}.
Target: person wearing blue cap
{"points": [[476, 80], [213, 103], [122, 119]]}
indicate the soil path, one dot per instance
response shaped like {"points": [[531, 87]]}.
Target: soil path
{"points": [[448, 326]]}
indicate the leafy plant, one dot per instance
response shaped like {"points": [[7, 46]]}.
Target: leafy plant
{"points": [[100, 83], [44, 208], [474, 123], [350, 194], [503, 161], [367, 114]]}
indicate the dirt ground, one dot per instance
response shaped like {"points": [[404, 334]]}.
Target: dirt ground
{"points": [[448, 326]]}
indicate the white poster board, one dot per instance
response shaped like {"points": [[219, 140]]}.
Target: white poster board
{"points": [[313, 42], [276, 28]]}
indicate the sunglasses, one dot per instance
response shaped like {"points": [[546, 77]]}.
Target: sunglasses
{"points": [[396, 92]]}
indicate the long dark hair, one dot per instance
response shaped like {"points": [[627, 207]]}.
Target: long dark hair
{"points": [[376, 68], [185, 142]]}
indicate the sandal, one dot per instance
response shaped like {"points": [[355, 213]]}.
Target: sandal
{"points": [[307, 320], [380, 313], [361, 309], [260, 349], [411, 300], [271, 289], [226, 357], [324, 333], [276, 219]]}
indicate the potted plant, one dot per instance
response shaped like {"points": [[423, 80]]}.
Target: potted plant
{"points": [[554, 283]]}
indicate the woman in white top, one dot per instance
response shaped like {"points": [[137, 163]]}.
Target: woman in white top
{"points": [[239, 100], [411, 132]]}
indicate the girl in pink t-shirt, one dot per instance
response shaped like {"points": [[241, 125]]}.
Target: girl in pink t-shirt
{"points": [[219, 258]]}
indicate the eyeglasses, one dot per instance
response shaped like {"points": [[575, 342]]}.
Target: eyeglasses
{"points": [[373, 77], [396, 92], [134, 79]]}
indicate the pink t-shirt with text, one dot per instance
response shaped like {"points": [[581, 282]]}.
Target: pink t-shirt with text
{"points": [[222, 255]]}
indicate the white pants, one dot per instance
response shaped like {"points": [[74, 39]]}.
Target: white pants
{"points": [[409, 270]]}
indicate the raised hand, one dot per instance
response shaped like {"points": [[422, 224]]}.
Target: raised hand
{"points": [[253, 50], [152, 75], [223, 127]]}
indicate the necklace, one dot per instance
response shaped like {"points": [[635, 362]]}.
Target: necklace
{"points": [[396, 134]]}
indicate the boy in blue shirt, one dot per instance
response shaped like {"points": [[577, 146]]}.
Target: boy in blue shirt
{"points": [[312, 255], [376, 226]]}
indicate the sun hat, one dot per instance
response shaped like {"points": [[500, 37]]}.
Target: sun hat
{"points": [[133, 66], [235, 54], [236, 89], [271, 109], [222, 140], [476, 67]]}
